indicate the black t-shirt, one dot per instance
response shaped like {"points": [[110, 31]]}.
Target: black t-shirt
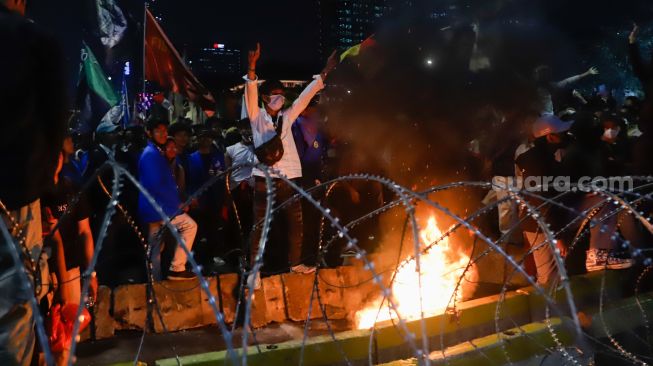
{"points": [[54, 205]]}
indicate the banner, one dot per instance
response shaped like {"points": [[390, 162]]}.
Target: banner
{"points": [[95, 94], [95, 78], [164, 66], [15, 5], [111, 22]]}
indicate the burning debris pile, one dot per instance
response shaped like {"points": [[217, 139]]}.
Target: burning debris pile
{"points": [[425, 290]]}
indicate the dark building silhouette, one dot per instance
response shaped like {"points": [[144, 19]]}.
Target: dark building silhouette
{"points": [[215, 60]]}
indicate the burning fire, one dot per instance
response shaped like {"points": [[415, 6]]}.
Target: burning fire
{"points": [[441, 269]]}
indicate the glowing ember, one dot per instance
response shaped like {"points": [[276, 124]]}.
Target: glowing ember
{"points": [[441, 269]]}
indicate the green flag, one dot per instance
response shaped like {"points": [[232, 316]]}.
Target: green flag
{"points": [[96, 79]]}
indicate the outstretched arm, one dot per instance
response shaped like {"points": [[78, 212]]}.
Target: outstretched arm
{"points": [[251, 86], [309, 92], [579, 96], [576, 78]]}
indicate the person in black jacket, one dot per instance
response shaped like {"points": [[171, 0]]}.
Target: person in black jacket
{"points": [[33, 102], [543, 160]]}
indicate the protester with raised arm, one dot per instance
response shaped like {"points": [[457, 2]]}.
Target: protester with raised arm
{"points": [[270, 123], [546, 86]]}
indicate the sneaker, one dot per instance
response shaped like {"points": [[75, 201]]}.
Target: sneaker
{"points": [[597, 260], [600, 259], [256, 279], [303, 269], [181, 275]]}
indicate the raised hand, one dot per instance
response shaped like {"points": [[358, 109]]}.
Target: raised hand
{"points": [[593, 71], [254, 55], [331, 64]]}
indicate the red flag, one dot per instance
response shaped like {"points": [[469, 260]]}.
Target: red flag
{"points": [[164, 66], [16, 5]]}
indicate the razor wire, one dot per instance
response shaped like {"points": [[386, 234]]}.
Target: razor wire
{"points": [[407, 199]]}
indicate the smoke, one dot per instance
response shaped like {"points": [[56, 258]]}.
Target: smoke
{"points": [[431, 97], [410, 105]]}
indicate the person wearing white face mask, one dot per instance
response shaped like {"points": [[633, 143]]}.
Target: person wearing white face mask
{"points": [[274, 102], [268, 122]]}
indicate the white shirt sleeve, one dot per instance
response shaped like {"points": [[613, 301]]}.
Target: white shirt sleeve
{"points": [[250, 99], [303, 100]]}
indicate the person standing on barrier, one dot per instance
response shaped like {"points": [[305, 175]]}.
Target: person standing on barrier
{"points": [[312, 148], [241, 181], [205, 164], [156, 177], [268, 122]]}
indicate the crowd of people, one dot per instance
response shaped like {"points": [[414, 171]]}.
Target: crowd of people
{"points": [[182, 167], [218, 216], [579, 138]]}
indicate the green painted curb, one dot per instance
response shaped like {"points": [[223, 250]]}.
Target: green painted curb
{"points": [[521, 343], [472, 319]]}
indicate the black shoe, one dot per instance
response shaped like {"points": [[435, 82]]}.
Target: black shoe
{"points": [[181, 275]]}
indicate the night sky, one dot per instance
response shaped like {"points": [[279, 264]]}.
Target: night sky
{"points": [[289, 32], [287, 29]]}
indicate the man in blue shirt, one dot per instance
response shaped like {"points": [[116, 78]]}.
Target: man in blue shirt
{"points": [[156, 177]]}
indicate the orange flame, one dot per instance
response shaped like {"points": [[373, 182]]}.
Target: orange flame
{"points": [[441, 271]]}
